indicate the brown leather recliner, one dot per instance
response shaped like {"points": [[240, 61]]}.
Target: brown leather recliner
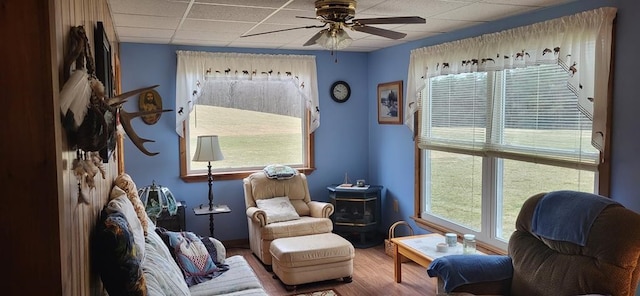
{"points": [[314, 215], [608, 263]]}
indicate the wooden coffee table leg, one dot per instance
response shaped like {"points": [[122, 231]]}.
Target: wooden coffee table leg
{"points": [[397, 264]]}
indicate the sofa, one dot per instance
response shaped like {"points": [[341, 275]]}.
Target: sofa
{"points": [[134, 257], [565, 243], [302, 216]]}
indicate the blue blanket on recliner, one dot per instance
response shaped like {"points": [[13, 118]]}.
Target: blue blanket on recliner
{"points": [[457, 270], [567, 215]]}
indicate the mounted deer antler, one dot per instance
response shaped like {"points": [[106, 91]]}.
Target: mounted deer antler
{"points": [[125, 117]]}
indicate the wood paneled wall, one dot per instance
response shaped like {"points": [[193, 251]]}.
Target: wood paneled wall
{"points": [[45, 228]]}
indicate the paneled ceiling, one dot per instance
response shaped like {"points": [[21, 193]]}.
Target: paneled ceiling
{"points": [[220, 23]]}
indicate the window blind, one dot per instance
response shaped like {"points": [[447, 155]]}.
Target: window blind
{"points": [[525, 114]]}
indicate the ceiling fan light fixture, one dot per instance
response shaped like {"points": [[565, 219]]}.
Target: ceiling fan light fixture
{"points": [[334, 39]]}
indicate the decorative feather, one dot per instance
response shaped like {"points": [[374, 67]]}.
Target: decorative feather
{"points": [[75, 96], [78, 168], [88, 168], [91, 183], [81, 196], [97, 87], [71, 88], [97, 161]]}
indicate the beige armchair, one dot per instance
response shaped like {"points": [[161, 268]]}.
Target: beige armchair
{"points": [[314, 215]]}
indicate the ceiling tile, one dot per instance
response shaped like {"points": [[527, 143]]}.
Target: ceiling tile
{"points": [[145, 21], [215, 26], [232, 13], [484, 12], [439, 25], [423, 8], [539, 3], [145, 40], [205, 36], [200, 42], [221, 22], [148, 7], [144, 32], [253, 3], [290, 17]]}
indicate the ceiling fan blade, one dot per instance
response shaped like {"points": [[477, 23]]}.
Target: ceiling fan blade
{"points": [[313, 39], [307, 17], [380, 32], [391, 20], [316, 18], [283, 30]]}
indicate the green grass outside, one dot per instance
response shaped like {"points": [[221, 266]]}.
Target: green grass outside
{"points": [[457, 178], [456, 195], [247, 138]]}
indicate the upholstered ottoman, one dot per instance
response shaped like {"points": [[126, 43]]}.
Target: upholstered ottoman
{"points": [[311, 258]]}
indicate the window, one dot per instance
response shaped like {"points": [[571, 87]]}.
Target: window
{"points": [[506, 115], [258, 122], [496, 138], [264, 109]]}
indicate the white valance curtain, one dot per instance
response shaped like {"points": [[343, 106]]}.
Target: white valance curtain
{"points": [[194, 67], [580, 43]]}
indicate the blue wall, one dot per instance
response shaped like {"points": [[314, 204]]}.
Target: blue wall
{"points": [[391, 147], [349, 138], [341, 140]]}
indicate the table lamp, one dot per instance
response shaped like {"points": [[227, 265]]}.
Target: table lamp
{"points": [[208, 149]]}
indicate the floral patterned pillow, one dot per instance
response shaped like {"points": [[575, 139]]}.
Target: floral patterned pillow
{"points": [[115, 254], [193, 257]]}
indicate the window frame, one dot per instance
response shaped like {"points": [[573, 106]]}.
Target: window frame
{"points": [[307, 168], [489, 166]]}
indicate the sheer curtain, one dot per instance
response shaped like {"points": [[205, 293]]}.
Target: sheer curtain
{"points": [[580, 43], [194, 67]]}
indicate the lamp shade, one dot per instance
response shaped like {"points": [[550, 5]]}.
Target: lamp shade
{"points": [[208, 149], [157, 198], [334, 39]]}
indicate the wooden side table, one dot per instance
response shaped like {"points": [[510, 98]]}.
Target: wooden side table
{"points": [[204, 210]]}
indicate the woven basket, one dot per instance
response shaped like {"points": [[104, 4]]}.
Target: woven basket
{"points": [[388, 245]]}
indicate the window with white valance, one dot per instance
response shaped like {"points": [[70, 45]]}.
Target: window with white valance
{"points": [[507, 115], [264, 109], [194, 67], [580, 43]]}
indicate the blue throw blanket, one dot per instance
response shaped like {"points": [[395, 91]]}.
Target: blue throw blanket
{"points": [[457, 270], [567, 215]]}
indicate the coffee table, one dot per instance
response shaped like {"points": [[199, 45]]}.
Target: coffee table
{"points": [[420, 249]]}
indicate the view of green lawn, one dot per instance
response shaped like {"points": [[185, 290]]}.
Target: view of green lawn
{"points": [[456, 193], [247, 138], [245, 134]]}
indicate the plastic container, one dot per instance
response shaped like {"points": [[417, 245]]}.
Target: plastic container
{"points": [[469, 244]]}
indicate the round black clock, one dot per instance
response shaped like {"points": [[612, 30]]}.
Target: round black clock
{"points": [[340, 91]]}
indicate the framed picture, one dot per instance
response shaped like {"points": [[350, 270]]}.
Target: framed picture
{"points": [[390, 102], [104, 72], [150, 101]]}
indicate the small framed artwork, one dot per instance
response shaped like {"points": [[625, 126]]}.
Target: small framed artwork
{"points": [[150, 101], [104, 72], [390, 102]]}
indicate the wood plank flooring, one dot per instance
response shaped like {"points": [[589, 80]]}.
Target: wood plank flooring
{"points": [[372, 275]]}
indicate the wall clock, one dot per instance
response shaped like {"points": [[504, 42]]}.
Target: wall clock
{"points": [[340, 91]]}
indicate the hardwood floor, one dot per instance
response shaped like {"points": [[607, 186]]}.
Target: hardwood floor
{"points": [[372, 275]]}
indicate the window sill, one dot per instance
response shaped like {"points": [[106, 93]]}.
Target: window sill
{"points": [[239, 175]]}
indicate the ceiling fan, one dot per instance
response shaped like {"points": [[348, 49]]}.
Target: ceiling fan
{"points": [[338, 15]]}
